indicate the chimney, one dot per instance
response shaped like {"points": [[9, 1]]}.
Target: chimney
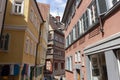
{"points": [[58, 18]]}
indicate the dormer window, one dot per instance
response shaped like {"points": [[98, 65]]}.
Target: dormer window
{"points": [[18, 6]]}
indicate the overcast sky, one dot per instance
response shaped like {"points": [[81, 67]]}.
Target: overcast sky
{"points": [[56, 6]]}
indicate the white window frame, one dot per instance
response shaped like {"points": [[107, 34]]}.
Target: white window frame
{"points": [[18, 5], [1, 5]]}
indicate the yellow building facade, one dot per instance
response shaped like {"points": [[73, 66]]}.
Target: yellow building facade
{"points": [[21, 41]]}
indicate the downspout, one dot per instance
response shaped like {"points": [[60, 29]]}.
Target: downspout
{"points": [[37, 46], [101, 24], [3, 21]]}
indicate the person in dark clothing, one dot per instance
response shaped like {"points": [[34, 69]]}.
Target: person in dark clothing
{"points": [[61, 78]]}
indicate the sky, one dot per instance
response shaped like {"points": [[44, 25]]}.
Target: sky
{"points": [[56, 6]]}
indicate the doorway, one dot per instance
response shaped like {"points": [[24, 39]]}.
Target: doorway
{"points": [[78, 74]]}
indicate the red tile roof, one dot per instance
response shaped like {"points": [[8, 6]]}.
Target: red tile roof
{"points": [[45, 10]]}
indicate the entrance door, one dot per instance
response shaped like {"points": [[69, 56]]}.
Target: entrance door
{"points": [[78, 74]]}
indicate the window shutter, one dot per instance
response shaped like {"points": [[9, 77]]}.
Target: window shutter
{"points": [[101, 5], [13, 6], [22, 8]]}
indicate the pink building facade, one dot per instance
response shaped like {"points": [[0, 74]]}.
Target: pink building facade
{"points": [[92, 38]]}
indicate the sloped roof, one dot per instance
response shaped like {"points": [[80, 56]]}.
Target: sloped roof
{"points": [[44, 9], [54, 24]]}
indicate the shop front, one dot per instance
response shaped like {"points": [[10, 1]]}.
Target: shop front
{"points": [[103, 59]]}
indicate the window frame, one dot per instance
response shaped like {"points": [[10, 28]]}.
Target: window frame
{"points": [[18, 6], [2, 47]]}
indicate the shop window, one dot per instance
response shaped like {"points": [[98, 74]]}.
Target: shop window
{"points": [[118, 58], [98, 67]]}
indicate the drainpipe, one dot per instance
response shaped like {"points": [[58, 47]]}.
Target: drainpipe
{"points": [[37, 46], [101, 23], [3, 21]]}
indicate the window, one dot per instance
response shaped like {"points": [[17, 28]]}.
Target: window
{"points": [[76, 31], [74, 37], [92, 14], [5, 42], [56, 66], [77, 57], [69, 63], [118, 58], [80, 27], [77, 2], [76, 60], [69, 39], [71, 36], [1, 2], [32, 14], [102, 7], [62, 65], [111, 3], [85, 20], [73, 9], [18, 6], [27, 43]]}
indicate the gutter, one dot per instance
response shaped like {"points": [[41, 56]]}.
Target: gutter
{"points": [[37, 46], [38, 43], [3, 20]]}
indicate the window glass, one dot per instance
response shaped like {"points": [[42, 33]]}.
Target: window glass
{"points": [[5, 42]]}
